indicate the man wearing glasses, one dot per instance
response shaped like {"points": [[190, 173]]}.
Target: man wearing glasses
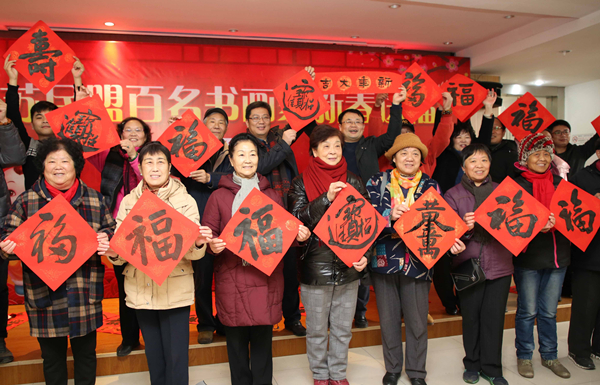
{"points": [[504, 153], [575, 155]]}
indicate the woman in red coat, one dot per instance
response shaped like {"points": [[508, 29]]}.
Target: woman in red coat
{"points": [[248, 301]]}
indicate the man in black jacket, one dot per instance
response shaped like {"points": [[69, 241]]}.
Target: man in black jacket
{"points": [[574, 154], [504, 153]]}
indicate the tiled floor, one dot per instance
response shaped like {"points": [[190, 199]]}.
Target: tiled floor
{"points": [[365, 367]]}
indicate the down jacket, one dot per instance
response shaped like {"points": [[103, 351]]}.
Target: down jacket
{"points": [[244, 295]]}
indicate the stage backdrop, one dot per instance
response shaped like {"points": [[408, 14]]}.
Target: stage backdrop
{"points": [[156, 80]]}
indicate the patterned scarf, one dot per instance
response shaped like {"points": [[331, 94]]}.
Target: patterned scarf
{"points": [[398, 182]]}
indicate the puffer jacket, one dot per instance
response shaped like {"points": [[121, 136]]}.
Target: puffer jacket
{"points": [[12, 153], [244, 295], [178, 289], [320, 265]]}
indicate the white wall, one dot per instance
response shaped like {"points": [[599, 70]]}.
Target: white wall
{"points": [[582, 105]]}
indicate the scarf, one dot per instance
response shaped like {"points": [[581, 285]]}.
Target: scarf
{"points": [[543, 188], [398, 182], [246, 186], [319, 175], [481, 192], [68, 194], [154, 190]]}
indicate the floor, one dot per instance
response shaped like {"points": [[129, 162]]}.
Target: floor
{"points": [[366, 367]]}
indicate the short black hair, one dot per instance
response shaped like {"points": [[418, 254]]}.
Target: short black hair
{"points": [[41, 107], [323, 132], [408, 125], [472, 149], [53, 144], [147, 131], [152, 148], [258, 104], [243, 137], [350, 110], [463, 127]]}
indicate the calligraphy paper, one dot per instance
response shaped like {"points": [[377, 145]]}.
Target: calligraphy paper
{"points": [[575, 213], [430, 227], [300, 100], [154, 237], [350, 225], [191, 143], [260, 232], [467, 96], [512, 216], [596, 124], [358, 82], [91, 176], [526, 116], [422, 93], [42, 57], [55, 242], [86, 122]]}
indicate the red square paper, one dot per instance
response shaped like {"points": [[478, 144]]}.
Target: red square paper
{"points": [[512, 216], [526, 116], [596, 124], [55, 242], [86, 122], [191, 143], [301, 100], [154, 237], [422, 93], [467, 96], [91, 176], [350, 226], [42, 57], [575, 212], [260, 232], [430, 227]]}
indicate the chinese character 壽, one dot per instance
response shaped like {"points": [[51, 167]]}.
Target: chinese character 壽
{"points": [[41, 53], [430, 217]]}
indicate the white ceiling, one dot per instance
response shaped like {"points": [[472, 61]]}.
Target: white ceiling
{"points": [[522, 49]]}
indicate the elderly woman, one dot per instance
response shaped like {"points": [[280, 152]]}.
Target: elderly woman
{"points": [[483, 304], [163, 311], [541, 267], [248, 301], [400, 280], [72, 312], [329, 287]]}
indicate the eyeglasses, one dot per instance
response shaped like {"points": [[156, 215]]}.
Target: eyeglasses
{"points": [[351, 122], [137, 130], [498, 128], [256, 119], [560, 133]]}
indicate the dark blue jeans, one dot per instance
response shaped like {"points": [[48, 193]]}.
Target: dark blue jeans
{"points": [[538, 293]]}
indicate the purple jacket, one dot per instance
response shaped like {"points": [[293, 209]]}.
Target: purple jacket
{"points": [[496, 260]]}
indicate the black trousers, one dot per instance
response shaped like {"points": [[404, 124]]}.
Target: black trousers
{"points": [[54, 354], [442, 281], [483, 307], [130, 330], [252, 366], [203, 280], [364, 291], [291, 296], [167, 338], [585, 313], [3, 298]]}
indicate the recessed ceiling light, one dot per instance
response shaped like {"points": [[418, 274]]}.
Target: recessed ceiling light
{"points": [[539, 82], [395, 6], [233, 30], [565, 52], [509, 16], [355, 36], [448, 43], [109, 24]]}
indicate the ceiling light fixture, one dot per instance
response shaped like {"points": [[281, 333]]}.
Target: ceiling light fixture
{"points": [[539, 82], [448, 43], [509, 16], [354, 36], [109, 24], [565, 52], [233, 30], [395, 6]]}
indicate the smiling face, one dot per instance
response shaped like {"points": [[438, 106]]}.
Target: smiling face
{"points": [[539, 161], [352, 127], [497, 132], [477, 167], [408, 161], [329, 151], [134, 131], [244, 159], [41, 126], [259, 123], [561, 136], [461, 141], [155, 169], [217, 124], [59, 170]]}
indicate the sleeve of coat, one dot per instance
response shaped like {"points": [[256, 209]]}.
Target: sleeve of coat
{"points": [[124, 209], [309, 213], [485, 131], [385, 141], [14, 218], [589, 148], [212, 215], [268, 161], [12, 150], [439, 142], [13, 112]]}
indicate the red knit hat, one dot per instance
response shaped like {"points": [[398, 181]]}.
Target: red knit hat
{"points": [[532, 143]]}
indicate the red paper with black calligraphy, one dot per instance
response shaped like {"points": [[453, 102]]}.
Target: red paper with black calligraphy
{"points": [[154, 237], [526, 116], [358, 82], [300, 100], [422, 93], [467, 96], [191, 143], [91, 176], [86, 122], [430, 227], [596, 124], [42, 57], [260, 232], [512, 216], [350, 226], [55, 242], [575, 213]]}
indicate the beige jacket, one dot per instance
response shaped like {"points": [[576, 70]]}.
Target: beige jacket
{"points": [[178, 289]]}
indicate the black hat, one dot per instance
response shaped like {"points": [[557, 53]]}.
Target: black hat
{"points": [[558, 122], [217, 110]]}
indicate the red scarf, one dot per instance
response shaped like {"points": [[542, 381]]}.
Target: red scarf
{"points": [[543, 188], [319, 175], [68, 195]]}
